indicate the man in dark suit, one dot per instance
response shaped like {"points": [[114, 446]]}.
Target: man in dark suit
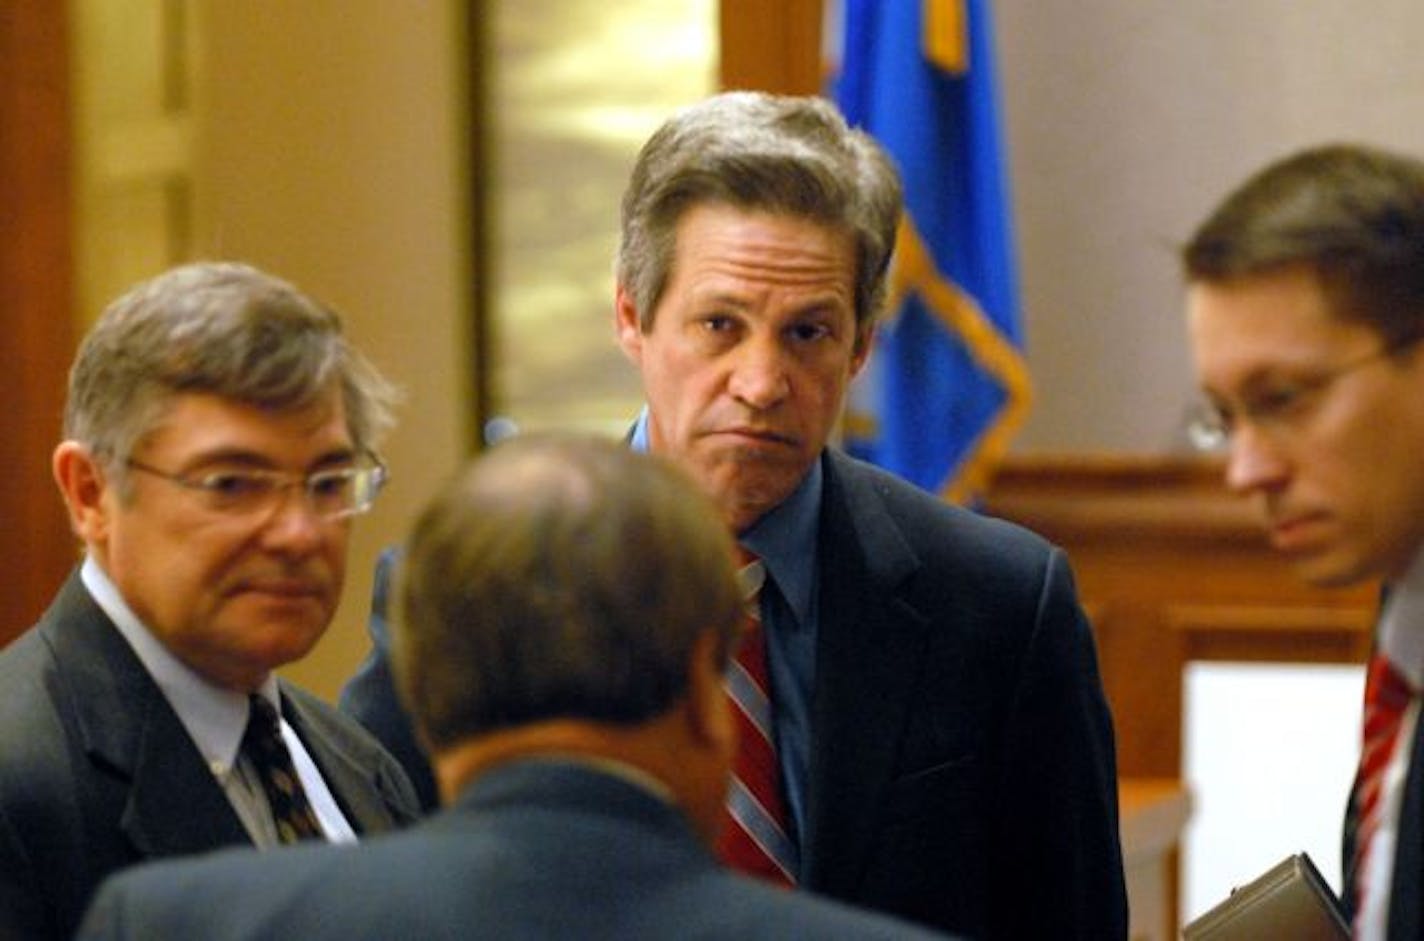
{"points": [[942, 746], [571, 606], [1306, 314], [219, 437]]}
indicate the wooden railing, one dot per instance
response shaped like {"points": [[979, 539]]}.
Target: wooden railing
{"points": [[1173, 568]]}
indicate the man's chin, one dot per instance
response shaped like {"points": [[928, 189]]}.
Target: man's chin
{"points": [[1330, 570]]}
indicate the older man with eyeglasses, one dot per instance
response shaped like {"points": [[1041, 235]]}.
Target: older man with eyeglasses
{"points": [[220, 434], [1305, 313]]}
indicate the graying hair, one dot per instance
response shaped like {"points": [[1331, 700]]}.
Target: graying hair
{"points": [[221, 328], [560, 577], [755, 151]]}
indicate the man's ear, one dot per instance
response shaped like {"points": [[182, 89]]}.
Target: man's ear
{"points": [[83, 485], [625, 324], [864, 339]]}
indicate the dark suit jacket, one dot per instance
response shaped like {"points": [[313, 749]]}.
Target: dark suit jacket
{"points": [[98, 773], [962, 767], [535, 850], [1406, 896]]}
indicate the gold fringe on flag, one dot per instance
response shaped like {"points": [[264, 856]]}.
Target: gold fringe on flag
{"points": [[946, 38], [915, 270]]}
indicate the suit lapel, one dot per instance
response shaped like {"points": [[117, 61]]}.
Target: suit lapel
{"points": [[351, 782], [869, 641], [130, 732], [1406, 908]]}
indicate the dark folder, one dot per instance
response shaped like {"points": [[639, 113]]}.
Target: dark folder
{"points": [[1290, 901]]}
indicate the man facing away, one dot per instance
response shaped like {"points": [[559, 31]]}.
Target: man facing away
{"points": [[570, 609], [1305, 313], [220, 435], [940, 746]]}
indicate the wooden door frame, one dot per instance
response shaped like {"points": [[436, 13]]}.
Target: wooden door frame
{"points": [[771, 45], [36, 291]]}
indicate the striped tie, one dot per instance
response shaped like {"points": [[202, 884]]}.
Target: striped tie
{"points": [[1387, 694], [262, 744], [754, 838]]}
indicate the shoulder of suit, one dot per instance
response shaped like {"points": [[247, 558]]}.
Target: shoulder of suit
{"points": [[917, 511]]}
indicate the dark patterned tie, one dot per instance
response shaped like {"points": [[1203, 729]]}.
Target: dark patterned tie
{"points": [[262, 744], [754, 837], [1387, 695]]}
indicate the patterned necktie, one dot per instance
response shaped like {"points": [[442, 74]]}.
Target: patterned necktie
{"points": [[1387, 694], [262, 744], [754, 838]]}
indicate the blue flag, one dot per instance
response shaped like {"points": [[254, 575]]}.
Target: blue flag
{"points": [[946, 386]]}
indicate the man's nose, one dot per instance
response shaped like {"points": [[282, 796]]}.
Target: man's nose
{"points": [[294, 525], [759, 374], [1254, 462]]}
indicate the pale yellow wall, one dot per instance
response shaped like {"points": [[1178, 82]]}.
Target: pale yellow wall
{"points": [[330, 149]]}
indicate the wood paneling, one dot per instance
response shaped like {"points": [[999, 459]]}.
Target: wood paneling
{"points": [[35, 311], [771, 45], [1172, 568]]}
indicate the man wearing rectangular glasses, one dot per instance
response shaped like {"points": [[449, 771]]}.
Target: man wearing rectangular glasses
{"points": [[1305, 313], [220, 436]]}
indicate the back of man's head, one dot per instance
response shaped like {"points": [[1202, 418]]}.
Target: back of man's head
{"points": [[560, 578], [1352, 214]]}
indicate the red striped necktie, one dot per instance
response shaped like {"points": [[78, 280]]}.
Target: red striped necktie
{"points": [[754, 836], [1387, 695]]}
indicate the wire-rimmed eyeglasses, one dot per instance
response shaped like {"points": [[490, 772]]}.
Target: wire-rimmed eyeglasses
{"points": [[1276, 407], [333, 493]]}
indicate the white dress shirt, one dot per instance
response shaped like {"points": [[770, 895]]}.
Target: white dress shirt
{"points": [[1401, 638]]}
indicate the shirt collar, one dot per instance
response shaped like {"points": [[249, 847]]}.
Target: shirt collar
{"points": [[214, 717], [638, 437], [785, 540], [1401, 632]]}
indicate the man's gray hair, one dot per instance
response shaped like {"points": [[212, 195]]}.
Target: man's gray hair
{"points": [[755, 151], [220, 328]]}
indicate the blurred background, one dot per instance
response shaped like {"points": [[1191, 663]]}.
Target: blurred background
{"points": [[447, 174]]}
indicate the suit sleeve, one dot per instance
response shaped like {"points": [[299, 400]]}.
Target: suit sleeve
{"points": [[1058, 851], [104, 920], [22, 913], [370, 696]]}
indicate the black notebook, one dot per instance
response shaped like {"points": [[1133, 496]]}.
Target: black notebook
{"points": [[1289, 901]]}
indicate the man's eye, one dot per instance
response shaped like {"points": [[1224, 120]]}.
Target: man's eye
{"points": [[234, 485], [1279, 401], [717, 323], [331, 483], [807, 332]]}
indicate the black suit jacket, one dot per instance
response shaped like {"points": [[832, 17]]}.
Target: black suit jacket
{"points": [[533, 850], [962, 767], [1406, 896], [98, 773]]}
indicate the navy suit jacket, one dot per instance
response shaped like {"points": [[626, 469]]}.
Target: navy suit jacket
{"points": [[1406, 897], [532, 850], [962, 767], [98, 773]]}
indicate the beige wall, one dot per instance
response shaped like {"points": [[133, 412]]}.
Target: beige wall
{"points": [[1127, 120], [331, 150], [329, 147]]}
